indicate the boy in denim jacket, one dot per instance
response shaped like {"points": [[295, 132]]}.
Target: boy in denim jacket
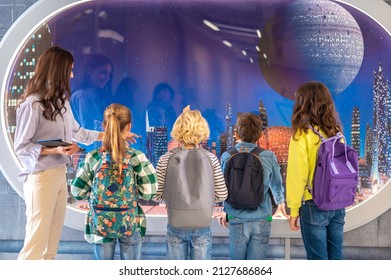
{"points": [[249, 230]]}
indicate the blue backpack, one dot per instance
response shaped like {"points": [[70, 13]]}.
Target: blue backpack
{"points": [[336, 173]]}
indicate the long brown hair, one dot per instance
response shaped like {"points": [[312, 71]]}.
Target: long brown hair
{"points": [[314, 105], [115, 119], [51, 81]]}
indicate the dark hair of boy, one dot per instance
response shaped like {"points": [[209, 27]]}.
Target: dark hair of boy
{"points": [[249, 127]]}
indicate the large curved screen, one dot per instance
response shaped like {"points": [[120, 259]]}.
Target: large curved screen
{"points": [[223, 58]]}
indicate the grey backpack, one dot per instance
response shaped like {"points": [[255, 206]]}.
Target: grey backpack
{"points": [[189, 189]]}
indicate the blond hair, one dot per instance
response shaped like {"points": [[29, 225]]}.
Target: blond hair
{"points": [[190, 128], [115, 118]]}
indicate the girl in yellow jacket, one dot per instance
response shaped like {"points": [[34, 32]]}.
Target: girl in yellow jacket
{"points": [[322, 231]]}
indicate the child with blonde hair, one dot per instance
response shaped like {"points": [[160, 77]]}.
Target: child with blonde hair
{"points": [[185, 174]]}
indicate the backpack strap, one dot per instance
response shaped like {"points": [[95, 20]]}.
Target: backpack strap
{"points": [[257, 150], [105, 157], [308, 187], [316, 132], [337, 136], [232, 151], [175, 150]]}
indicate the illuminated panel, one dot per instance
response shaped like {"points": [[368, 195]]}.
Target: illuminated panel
{"points": [[24, 70]]}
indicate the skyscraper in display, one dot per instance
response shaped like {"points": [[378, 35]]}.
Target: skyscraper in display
{"points": [[368, 150], [355, 131], [262, 113], [381, 157], [229, 125], [157, 143]]}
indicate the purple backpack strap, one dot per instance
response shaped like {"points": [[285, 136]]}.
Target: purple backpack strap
{"points": [[316, 132], [335, 139]]}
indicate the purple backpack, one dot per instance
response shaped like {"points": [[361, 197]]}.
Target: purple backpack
{"points": [[336, 173]]}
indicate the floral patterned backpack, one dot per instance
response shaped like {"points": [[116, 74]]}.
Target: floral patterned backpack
{"points": [[113, 200]]}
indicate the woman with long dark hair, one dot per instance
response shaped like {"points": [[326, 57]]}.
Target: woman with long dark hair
{"points": [[45, 113]]}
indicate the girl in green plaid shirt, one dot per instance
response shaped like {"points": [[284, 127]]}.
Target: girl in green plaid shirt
{"points": [[113, 178]]}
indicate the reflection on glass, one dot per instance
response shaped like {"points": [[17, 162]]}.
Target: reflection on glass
{"points": [[223, 58], [94, 94]]}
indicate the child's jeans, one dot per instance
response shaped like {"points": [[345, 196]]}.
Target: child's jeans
{"points": [[197, 241], [248, 240], [130, 248], [322, 231]]}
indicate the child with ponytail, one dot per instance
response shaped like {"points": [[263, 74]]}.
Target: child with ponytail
{"points": [[113, 178]]}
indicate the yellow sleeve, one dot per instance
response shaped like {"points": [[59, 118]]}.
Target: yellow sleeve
{"points": [[297, 174]]}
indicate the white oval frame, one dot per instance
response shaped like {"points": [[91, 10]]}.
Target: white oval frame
{"points": [[43, 10]]}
